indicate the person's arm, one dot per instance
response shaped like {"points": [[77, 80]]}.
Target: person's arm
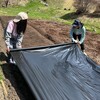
{"points": [[83, 35], [8, 32], [71, 35], [7, 39]]}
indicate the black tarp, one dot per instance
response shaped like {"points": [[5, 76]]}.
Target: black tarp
{"points": [[60, 72]]}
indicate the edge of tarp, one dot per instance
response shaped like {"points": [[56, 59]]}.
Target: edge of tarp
{"points": [[36, 94], [41, 47], [97, 68]]}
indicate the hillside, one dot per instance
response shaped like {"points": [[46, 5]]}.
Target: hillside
{"points": [[41, 33], [46, 26]]}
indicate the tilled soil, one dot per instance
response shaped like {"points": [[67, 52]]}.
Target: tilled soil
{"points": [[40, 33]]}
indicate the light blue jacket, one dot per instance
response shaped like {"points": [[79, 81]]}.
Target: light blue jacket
{"points": [[81, 31]]}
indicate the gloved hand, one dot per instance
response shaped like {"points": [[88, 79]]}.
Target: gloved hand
{"points": [[75, 41], [79, 42], [18, 45]]}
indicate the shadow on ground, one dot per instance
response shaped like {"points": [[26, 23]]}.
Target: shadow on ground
{"points": [[69, 16], [94, 15], [74, 15], [15, 79]]}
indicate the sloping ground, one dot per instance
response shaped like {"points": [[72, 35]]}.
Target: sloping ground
{"points": [[68, 4], [59, 33], [59, 73], [42, 33]]}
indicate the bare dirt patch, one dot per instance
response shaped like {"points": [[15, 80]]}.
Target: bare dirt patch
{"points": [[41, 33]]}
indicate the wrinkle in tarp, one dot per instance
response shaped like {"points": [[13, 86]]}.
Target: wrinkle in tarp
{"points": [[59, 73]]}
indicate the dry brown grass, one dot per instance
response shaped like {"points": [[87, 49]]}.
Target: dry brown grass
{"points": [[68, 4]]}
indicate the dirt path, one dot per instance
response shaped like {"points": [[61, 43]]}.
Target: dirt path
{"points": [[40, 33], [2, 48]]}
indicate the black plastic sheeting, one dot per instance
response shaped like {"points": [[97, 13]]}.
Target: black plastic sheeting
{"points": [[59, 72]]}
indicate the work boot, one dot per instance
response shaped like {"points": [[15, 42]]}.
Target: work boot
{"points": [[84, 52], [12, 61]]}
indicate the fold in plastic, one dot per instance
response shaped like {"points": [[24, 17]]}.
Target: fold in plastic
{"points": [[59, 73]]}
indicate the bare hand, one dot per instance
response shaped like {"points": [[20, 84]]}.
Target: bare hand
{"points": [[7, 49], [75, 41]]}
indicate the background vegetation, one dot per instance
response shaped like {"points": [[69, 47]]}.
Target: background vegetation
{"points": [[60, 10], [87, 6]]}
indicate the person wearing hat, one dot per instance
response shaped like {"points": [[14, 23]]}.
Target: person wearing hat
{"points": [[14, 32], [77, 34]]}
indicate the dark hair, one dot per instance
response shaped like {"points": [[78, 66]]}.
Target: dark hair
{"points": [[78, 23], [21, 26]]}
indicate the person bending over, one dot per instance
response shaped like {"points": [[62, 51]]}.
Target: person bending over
{"points": [[14, 33], [78, 33]]}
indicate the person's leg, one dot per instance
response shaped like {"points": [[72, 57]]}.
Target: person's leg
{"points": [[8, 57], [81, 45], [8, 52], [74, 36], [12, 46]]}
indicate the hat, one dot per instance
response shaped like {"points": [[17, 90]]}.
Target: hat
{"points": [[76, 23], [20, 16], [23, 15], [17, 19]]}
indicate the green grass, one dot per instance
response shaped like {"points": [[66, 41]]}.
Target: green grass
{"points": [[1, 76], [1, 73], [39, 11]]}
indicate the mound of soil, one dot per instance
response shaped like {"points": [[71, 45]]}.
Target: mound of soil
{"points": [[43, 33], [47, 32]]}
